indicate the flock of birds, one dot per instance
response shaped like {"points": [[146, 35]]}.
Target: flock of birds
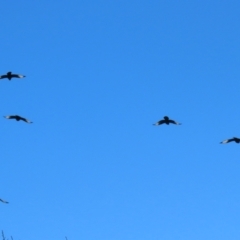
{"points": [[9, 76], [165, 120]]}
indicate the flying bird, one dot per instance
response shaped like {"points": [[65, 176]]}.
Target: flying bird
{"points": [[166, 120], [18, 118], [3, 201], [9, 75], [234, 139]]}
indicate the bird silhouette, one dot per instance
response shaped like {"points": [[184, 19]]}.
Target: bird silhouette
{"points": [[234, 139], [3, 201], [166, 120], [18, 118], [9, 75]]}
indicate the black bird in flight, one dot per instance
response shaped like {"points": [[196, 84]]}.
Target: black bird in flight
{"points": [[166, 120], [234, 139], [3, 201], [9, 75], [18, 118]]}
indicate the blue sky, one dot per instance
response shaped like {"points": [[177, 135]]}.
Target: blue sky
{"points": [[99, 74]]}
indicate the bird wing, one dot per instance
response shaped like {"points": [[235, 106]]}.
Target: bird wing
{"points": [[25, 120], [227, 140], [17, 76], [3, 76], [159, 122], [174, 122], [10, 117], [238, 139], [3, 201]]}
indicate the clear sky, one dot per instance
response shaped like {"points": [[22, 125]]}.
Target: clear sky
{"points": [[98, 75]]}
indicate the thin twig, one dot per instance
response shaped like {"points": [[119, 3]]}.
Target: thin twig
{"points": [[3, 235]]}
